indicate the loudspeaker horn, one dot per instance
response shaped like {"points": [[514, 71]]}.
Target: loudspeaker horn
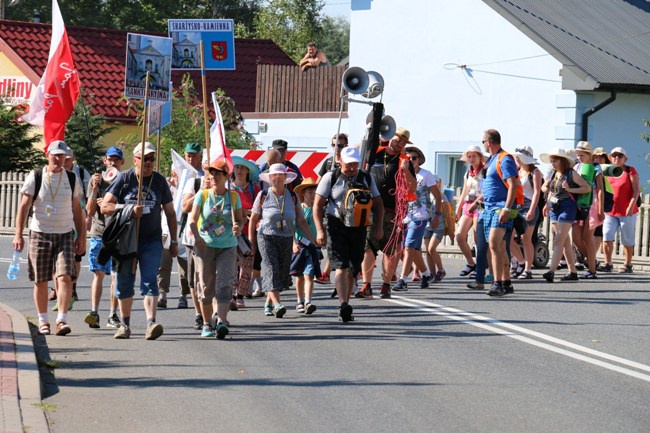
{"points": [[375, 85], [355, 80], [387, 128]]}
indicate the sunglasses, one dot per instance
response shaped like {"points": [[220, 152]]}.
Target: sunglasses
{"points": [[617, 155], [340, 146], [484, 141], [414, 158], [147, 158]]}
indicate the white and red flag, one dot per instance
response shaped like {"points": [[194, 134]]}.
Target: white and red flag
{"points": [[58, 90], [218, 149]]}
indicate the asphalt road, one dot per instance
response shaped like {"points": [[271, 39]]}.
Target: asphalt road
{"points": [[563, 357]]}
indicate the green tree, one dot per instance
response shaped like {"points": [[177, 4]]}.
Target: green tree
{"points": [[291, 24], [335, 39], [84, 131], [18, 140]]}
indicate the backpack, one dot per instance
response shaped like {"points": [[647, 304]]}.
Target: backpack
{"points": [[449, 217], [541, 201], [38, 180], [356, 207], [519, 197], [638, 199]]}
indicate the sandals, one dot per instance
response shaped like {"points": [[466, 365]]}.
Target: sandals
{"points": [[625, 269], [467, 270], [44, 328]]}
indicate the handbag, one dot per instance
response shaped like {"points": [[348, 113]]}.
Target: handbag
{"points": [[244, 247]]}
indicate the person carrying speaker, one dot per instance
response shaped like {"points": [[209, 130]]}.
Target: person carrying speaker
{"points": [[394, 175], [314, 58]]}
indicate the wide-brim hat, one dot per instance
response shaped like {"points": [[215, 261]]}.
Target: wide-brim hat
{"points": [[405, 134], [306, 183], [414, 149], [584, 146], [557, 153], [473, 149], [279, 169], [525, 155], [253, 169], [600, 151]]}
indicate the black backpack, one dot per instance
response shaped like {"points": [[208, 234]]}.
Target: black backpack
{"points": [[38, 180]]}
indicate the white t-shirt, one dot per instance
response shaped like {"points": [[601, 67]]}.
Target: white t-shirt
{"points": [[53, 206]]}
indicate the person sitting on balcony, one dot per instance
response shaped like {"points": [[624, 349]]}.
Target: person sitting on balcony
{"points": [[314, 58]]}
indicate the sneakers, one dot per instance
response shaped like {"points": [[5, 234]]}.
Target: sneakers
{"points": [[384, 293], [489, 278], [44, 328], [207, 332], [268, 309], [300, 308], [182, 303], [240, 303], [345, 313], [154, 330], [424, 283], [258, 293], [439, 276], [571, 276], [92, 319], [310, 309], [475, 286], [526, 275], [323, 279], [496, 290], [123, 332], [468, 269], [589, 276], [607, 267], [113, 321], [625, 269], [70, 305], [198, 322], [365, 292], [74, 294], [400, 286], [548, 276], [222, 330], [279, 310], [162, 303], [508, 289]]}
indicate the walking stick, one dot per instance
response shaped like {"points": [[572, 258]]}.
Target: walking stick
{"points": [[141, 179]]}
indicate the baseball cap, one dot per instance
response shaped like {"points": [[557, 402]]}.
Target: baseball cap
{"points": [[148, 148], [115, 151], [58, 147], [192, 148], [350, 155]]}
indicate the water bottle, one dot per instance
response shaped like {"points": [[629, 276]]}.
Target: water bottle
{"points": [[14, 267]]}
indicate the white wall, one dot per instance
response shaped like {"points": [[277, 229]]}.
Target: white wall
{"points": [[301, 134], [410, 41]]}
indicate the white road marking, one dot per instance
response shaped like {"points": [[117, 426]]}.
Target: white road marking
{"points": [[514, 331]]}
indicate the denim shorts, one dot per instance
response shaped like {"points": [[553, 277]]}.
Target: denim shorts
{"points": [[414, 234], [564, 211], [627, 224], [93, 253], [149, 254], [437, 232]]}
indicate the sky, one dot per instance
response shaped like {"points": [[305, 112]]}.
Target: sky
{"points": [[337, 8]]}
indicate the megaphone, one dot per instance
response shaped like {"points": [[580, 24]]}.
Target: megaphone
{"points": [[375, 85], [355, 80], [110, 174]]}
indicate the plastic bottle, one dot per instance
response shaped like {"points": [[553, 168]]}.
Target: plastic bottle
{"points": [[14, 266]]}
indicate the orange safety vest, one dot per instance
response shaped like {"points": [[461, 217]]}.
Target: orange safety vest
{"points": [[519, 197]]}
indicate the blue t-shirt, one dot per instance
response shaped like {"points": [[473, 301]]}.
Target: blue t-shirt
{"points": [[493, 187], [155, 193]]}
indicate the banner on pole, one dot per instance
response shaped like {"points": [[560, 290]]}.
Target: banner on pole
{"points": [[153, 54], [218, 38], [160, 115]]}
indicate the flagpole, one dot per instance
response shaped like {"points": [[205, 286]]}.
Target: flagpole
{"points": [[206, 124], [141, 180]]}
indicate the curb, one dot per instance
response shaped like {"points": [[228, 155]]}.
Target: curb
{"points": [[29, 381]]}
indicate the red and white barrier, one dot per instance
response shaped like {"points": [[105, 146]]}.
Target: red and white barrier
{"points": [[308, 162]]}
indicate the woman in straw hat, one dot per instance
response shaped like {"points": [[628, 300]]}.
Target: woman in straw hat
{"points": [[531, 181], [561, 187], [584, 226], [276, 210], [467, 211]]}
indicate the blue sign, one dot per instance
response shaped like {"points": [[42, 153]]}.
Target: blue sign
{"points": [[218, 38]]}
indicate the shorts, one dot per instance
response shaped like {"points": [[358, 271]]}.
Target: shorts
{"points": [[148, 258], [50, 255], [437, 232], [582, 214], [414, 234], [491, 220], [599, 231], [345, 245], [466, 211], [523, 211], [564, 211], [627, 224], [307, 267], [93, 253], [376, 245]]}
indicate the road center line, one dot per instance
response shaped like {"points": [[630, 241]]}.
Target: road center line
{"points": [[497, 327]]}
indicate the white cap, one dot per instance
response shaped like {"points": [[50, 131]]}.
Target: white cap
{"points": [[148, 148], [58, 147], [350, 155]]}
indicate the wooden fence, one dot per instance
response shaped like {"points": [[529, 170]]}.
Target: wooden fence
{"points": [[10, 184], [282, 89]]}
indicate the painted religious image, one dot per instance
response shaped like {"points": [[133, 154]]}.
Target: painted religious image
{"points": [[218, 44], [153, 54]]}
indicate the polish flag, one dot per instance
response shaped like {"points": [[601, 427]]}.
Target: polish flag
{"points": [[218, 149], [58, 90]]}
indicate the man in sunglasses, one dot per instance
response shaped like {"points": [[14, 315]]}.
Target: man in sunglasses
{"points": [[338, 144], [156, 196]]}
